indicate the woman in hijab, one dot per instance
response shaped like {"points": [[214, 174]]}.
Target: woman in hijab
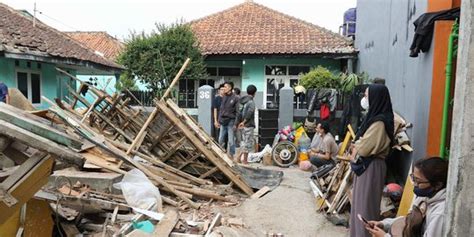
{"points": [[372, 146]]}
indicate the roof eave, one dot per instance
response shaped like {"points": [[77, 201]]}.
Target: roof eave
{"points": [[65, 61], [333, 55]]}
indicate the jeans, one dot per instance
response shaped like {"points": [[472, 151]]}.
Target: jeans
{"points": [[227, 130]]}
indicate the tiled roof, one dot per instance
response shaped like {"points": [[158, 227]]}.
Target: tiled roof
{"points": [[17, 35], [99, 41], [251, 28]]}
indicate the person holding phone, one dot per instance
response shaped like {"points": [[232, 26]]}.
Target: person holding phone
{"points": [[426, 217], [372, 146]]}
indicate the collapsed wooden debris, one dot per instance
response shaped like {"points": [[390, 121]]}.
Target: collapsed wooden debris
{"points": [[332, 189], [109, 136]]}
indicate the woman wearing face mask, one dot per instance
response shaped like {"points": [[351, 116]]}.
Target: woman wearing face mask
{"points": [[372, 146], [429, 177]]}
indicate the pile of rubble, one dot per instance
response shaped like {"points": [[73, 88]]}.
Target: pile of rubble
{"points": [[95, 147]]}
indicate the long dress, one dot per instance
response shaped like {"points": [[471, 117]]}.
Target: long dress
{"points": [[368, 187]]}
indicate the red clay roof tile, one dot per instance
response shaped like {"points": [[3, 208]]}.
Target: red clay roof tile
{"points": [[17, 35], [251, 28], [99, 41]]}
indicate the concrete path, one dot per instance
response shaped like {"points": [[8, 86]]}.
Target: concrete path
{"points": [[290, 209]]}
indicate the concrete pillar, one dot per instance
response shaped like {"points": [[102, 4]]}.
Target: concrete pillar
{"points": [[285, 113], [204, 102], [350, 65], [459, 201]]}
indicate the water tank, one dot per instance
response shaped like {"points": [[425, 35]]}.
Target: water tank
{"points": [[349, 23]]}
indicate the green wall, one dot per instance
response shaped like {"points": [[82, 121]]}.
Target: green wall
{"points": [[51, 86], [7, 72], [253, 69]]}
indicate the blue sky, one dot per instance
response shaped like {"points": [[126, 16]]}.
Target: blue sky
{"points": [[118, 17]]}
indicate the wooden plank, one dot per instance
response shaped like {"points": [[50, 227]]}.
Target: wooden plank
{"points": [[23, 119], [174, 148], [136, 142], [217, 161], [260, 192], [23, 170], [96, 160], [200, 133], [176, 78], [70, 229], [63, 153], [167, 224], [340, 191], [155, 161], [92, 107], [208, 173], [25, 188], [102, 117], [216, 221]]}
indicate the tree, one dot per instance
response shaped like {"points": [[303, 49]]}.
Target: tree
{"points": [[320, 77], [156, 58]]}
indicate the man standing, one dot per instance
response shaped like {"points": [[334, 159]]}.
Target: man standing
{"points": [[216, 106], [246, 121], [4, 97], [227, 115]]}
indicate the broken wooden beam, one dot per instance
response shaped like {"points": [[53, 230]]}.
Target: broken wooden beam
{"points": [[136, 142], [32, 123], [209, 154], [63, 153], [167, 224], [24, 183]]}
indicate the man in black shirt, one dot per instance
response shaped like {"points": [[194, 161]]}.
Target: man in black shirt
{"points": [[216, 106], [227, 115]]}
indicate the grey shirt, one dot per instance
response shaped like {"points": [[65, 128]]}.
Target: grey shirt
{"points": [[328, 144]]}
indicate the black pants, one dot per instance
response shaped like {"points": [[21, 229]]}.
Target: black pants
{"points": [[318, 162]]}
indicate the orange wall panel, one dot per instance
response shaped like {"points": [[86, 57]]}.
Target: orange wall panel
{"points": [[456, 3], [439, 5], [440, 53]]}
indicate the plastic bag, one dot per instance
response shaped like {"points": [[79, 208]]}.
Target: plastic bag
{"points": [[138, 190], [298, 133], [257, 157]]}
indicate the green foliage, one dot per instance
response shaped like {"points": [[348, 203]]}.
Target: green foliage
{"points": [[126, 82], [320, 77], [348, 82], [156, 58]]}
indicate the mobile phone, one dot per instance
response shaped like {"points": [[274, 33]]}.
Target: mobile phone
{"points": [[364, 220]]}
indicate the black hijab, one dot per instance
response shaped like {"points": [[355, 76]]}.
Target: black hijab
{"points": [[380, 109]]}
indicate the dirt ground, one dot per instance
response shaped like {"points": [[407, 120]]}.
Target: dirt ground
{"points": [[290, 209]]}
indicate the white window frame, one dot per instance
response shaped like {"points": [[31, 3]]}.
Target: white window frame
{"points": [[28, 73], [285, 78]]}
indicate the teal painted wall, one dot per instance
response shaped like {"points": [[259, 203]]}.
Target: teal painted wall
{"points": [[254, 69], [52, 85], [101, 84], [224, 63], [7, 72]]}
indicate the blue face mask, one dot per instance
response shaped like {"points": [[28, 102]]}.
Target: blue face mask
{"points": [[424, 192]]}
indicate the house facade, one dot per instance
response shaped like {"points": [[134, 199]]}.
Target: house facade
{"points": [[253, 44], [30, 52]]}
